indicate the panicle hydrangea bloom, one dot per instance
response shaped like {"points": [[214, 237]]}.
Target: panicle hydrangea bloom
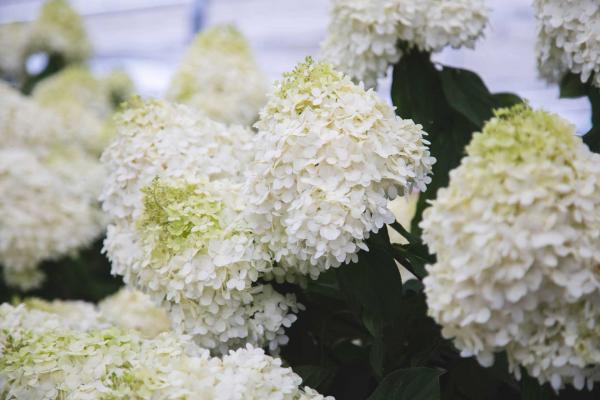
{"points": [[72, 314], [83, 102], [184, 142], [24, 122], [568, 39], [329, 157], [59, 30], [43, 215], [219, 76], [515, 234], [132, 310], [13, 42], [364, 34], [41, 359], [178, 231]]}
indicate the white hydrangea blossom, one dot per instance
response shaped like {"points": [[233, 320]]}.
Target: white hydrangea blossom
{"points": [[568, 39], [330, 155], [13, 42], [178, 230], [41, 359], [515, 234], [184, 142], [43, 216], [24, 122], [72, 314], [59, 30], [84, 103], [132, 310], [219, 76], [364, 34]]}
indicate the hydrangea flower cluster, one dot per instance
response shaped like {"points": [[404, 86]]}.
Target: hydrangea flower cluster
{"points": [[59, 30], [13, 42], [178, 230], [568, 39], [24, 122], [364, 35], [329, 157], [83, 103], [219, 76], [49, 208], [41, 359], [516, 234], [44, 216]]}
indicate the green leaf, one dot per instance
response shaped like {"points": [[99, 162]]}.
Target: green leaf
{"points": [[505, 99], [592, 137], [374, 282], [572, 87], [315, 376], [409, 384], [377, 356], [467, 94], [417, 92]]}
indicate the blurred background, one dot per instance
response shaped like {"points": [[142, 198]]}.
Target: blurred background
{"points": [[148, 37]]}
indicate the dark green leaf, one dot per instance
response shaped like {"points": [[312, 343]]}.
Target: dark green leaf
{"points": [[409, 384], [505, 99], [467, 94], [572, 87], [315, 376], [374, 282]]}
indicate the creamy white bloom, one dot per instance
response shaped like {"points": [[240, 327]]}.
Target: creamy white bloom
{"points": [[71, 314], [45, 361], [515, 234], [84, 103], [43, 215], [132, 310], [364, 35], [13, 42], [568, 39], [59, 30], [329, 157], [158, 136], [219, 76], [178, 230], [24, 122]]}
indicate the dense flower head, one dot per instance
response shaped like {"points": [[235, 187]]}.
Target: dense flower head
{"points": [[46, 212], [59, 30], [132, 310], [219, 76], [515, 234], [47, 361], [178, 229], [154, 136], [329, 157], [568, 39], [24, 122], [364, 34]]}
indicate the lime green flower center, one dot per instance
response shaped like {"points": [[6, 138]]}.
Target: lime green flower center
{"points": [[176, 218], [520, 134]]}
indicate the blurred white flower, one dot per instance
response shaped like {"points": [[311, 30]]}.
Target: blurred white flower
{"points": [[219, 76], [568, 39], [329, 157], [23, 122], [43, 215], [364, 35], [44, 361], [178, 230], [515, 234], [59, 31], [84, 103], [132, 310], [13, 42]]}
